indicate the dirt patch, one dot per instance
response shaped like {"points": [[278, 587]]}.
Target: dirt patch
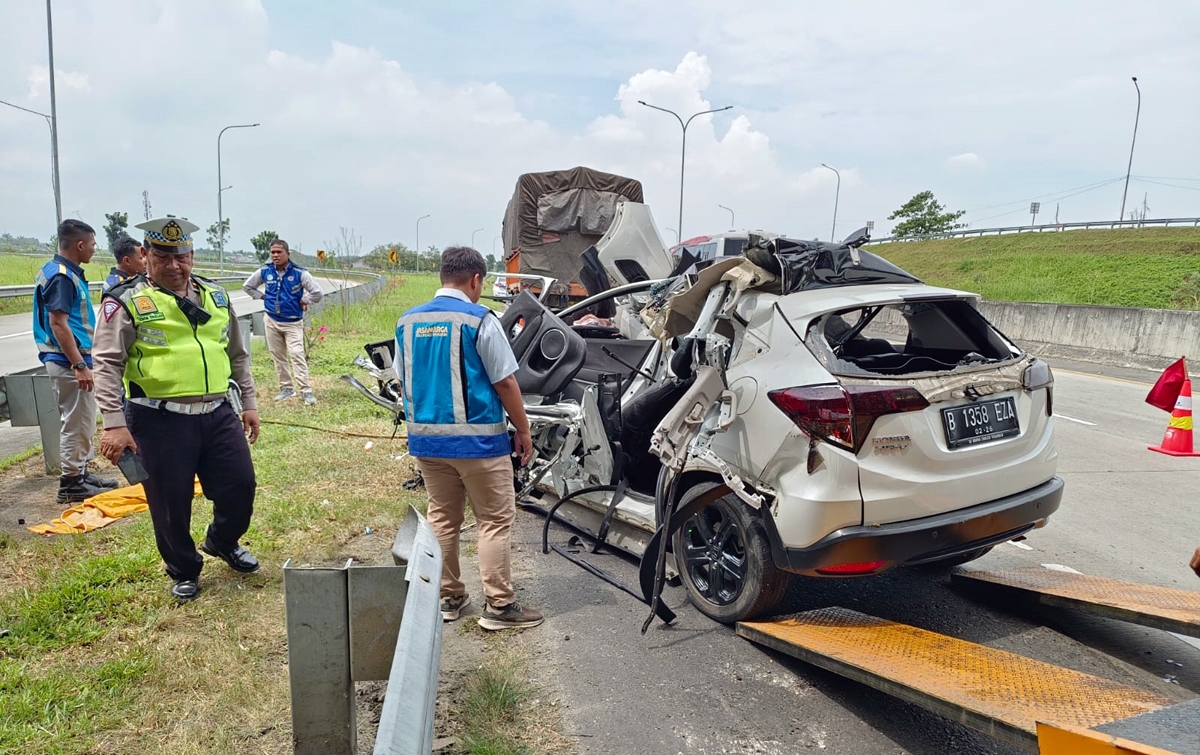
{"points": [[27, 497], [27, 494]]}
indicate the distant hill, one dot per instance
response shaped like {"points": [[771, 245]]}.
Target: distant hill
{"points": [[1148, 267]]}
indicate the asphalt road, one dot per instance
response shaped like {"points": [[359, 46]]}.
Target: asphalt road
{"points": [[695, 687]]}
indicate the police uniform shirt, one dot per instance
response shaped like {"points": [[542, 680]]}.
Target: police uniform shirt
{"points": [[115, 336], [494, 349], [60, 295]]}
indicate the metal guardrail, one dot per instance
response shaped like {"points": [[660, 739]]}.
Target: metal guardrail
{"points": [[28, 400], [1049, 227], [366, 623], [12, 292]]}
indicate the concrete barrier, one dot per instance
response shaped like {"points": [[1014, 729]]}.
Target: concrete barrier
{"points": [[1123, 336]]}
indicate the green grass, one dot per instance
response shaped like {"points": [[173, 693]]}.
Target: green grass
{"points": [[491, 708], [18, 270], [15, 459], [99, 659], [1149, 267]]}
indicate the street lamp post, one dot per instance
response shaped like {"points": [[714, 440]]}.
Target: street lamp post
{"points": [[837, 195], [1129, 168], [732, 221], [54, 162], [418, 242], [683, 150], [477, 230], [676, 234], [220, 212], [53, 115]]}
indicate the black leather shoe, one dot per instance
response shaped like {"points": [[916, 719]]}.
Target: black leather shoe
{"points": [[100, 482], [76, 488], [239, 559], [185, 590]]}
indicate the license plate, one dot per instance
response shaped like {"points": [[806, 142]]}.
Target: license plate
{"points": [[980, 422]]}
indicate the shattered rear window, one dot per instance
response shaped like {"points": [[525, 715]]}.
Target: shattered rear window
{"points": [[909, 338]]}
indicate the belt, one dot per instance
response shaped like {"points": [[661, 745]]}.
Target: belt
{"points": [[200, 407]]}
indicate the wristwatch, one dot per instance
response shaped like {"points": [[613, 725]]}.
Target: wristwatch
{"points": [[79, 366]]}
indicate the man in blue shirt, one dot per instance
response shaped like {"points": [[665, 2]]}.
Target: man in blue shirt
{"points": [[63, 325], [289, 290], [131, 261], [458, 376]]}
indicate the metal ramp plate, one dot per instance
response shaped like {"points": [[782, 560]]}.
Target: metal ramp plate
{"points": [[996, 692], [1159, 607]]}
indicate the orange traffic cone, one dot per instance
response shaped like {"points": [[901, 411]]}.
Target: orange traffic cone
{"points": [[1178, 439]]}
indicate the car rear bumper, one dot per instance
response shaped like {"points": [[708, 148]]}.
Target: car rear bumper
{"points": [[926, 539]]}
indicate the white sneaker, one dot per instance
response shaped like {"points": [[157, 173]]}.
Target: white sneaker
{"points": [[309, 398], [285, 394]]}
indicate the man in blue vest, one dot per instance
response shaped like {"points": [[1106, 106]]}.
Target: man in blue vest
{"points": [[63, 324], [458, 375], [131, 261], [290, 289]]}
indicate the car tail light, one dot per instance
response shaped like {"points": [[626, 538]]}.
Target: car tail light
{"points": [[1038, 375], [845, 570], [843, 415]]}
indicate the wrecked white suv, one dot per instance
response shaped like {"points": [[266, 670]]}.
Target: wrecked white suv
{"points": [[805, 409]]}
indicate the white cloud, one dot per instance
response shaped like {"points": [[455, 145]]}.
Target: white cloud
{"points": [[370, 127], [39, 80], [967, 161]]}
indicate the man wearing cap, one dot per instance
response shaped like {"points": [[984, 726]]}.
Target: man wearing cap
{"points": [[131, 261], [172, 339], [290, 289], [63, 325]]}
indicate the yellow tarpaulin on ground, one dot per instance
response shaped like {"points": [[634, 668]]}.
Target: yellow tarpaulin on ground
{"points": [[99, 511]]}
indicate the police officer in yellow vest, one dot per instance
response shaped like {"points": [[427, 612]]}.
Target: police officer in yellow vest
{"points": [[172, 339]]}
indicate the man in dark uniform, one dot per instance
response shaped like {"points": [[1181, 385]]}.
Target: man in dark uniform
{"points": [[131, 261], [173, 340]]}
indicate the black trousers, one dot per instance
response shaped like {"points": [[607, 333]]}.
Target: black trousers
{"points": [[176, 448]]}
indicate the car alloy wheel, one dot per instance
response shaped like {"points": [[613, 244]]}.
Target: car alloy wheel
{"points": [[715, 554]]}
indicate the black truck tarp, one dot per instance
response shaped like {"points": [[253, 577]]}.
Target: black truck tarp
{"points": [[553, 217]]}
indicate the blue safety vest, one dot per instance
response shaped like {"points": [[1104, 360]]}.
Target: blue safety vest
{"points": [[453, 411], [80, 317], [115, 278], [281, 300]]}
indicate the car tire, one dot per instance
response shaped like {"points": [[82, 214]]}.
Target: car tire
{"points": [[959, 560], [727, 533]]}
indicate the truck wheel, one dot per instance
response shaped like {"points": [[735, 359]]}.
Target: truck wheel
{"points": [[725, 562]]}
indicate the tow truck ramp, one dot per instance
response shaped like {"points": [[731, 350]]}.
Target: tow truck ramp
{"points": [[1033, 705]]}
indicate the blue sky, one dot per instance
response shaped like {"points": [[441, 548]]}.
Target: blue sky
{"points": [[375, 113]]}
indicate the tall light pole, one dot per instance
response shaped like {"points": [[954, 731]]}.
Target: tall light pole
{"points": [[732, 221], [1131, 144], [477, 230], [683, 150], [676, 234], [220, 188], [418, 249], [53, 116], [54, 163], [837, 195]]}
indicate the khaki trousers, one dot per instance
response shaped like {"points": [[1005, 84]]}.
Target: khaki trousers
{"points": [[285, 341], [78, 411], [489, 485]]}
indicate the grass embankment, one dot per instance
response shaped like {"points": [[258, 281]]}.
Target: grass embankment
{"points": [[19, 270], [98, 658], [1148, 267]]}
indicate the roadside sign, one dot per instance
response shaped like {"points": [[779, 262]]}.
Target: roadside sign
{"points": [[393, 256], [1035, 208], [321, 254]]}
